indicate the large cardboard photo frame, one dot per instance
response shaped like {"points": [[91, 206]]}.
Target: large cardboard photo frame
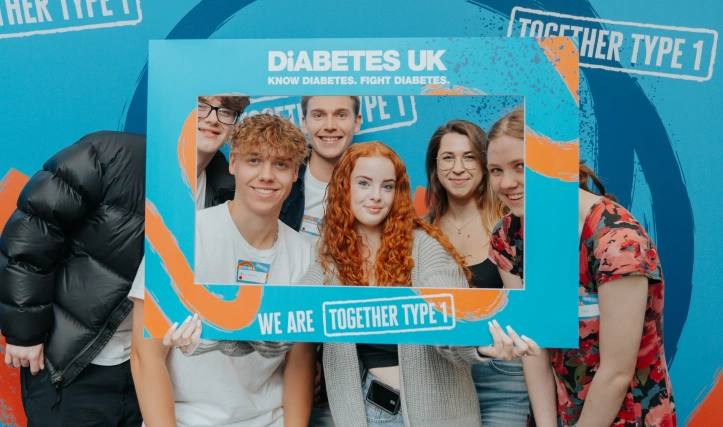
{"points": [[544, 71]]}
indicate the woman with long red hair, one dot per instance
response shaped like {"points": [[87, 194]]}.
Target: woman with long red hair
{"points": [[371, 236]]}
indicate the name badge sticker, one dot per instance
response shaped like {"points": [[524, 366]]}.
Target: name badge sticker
{"points": [[310, 225], [256, 273], [588, 308]]}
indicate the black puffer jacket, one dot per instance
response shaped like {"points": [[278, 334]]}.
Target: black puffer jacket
{"points": [[220, 184], [69, 253]]}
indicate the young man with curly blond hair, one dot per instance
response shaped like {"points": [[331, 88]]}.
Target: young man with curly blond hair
{"points": [[252, 389]]}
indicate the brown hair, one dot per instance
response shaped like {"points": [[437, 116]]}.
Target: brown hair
{"points": [[236, 103], [512, 125], [340, 246], [355, 99], [272, 133], [436, 198], [587, 174]]}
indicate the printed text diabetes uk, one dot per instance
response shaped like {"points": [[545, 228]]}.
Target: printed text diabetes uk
{"points": [[355, 60]]}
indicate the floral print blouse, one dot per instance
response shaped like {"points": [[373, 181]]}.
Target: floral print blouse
{"points": [[613, 245]]}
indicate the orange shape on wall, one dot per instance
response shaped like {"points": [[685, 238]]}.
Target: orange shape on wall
{"points": [[550, 158], [10, 187], [11, 412], [563, 55]]}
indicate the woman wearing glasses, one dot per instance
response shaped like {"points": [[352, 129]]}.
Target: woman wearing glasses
{"points": [[461, 204]]}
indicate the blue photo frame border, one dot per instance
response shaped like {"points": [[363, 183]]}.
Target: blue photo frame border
{"points": [[543, 70]]}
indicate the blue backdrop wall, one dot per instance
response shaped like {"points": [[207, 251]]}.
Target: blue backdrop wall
{"points": [[649, 95]]}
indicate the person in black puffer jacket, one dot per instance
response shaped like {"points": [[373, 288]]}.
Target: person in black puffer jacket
{"points": [[68, 256]]}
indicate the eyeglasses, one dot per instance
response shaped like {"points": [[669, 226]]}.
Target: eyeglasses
{"points": [[447, 162], [226, 116]]}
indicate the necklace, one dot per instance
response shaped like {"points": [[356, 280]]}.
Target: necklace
{"points": [[459, 229], [276, 236]]}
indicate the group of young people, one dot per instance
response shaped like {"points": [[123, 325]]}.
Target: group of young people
{"points": [[317, 210]]}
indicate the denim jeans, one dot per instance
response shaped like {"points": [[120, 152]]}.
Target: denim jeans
{"points": [[376, 416], [321, 417], [502, 393]]}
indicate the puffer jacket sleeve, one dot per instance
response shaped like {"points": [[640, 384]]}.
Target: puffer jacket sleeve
{"points": [[33, 242]]}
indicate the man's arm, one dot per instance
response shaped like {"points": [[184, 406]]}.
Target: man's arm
{"points": [[33, 242], [150, 374], [31, 246], [32, 357], [299, 373], [34, 239]]}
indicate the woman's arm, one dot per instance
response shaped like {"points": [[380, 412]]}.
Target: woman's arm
{"points": [[538, 373], [541, 388], [299, 373], [150, 375], [509, 280], [622, 305]]}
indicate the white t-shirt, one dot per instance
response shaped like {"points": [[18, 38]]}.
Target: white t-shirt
{"points": [[314, 191], [213, 389], [201, 191], [118, 348], [224, 257]]}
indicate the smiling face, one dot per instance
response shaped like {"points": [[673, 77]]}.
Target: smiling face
{"points": [[373, 182], [506, 166], [330, 124], [459, 182], [210, 133], [263, 180]]}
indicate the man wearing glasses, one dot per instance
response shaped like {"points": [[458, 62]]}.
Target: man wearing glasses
{"points": [[216, 119]]}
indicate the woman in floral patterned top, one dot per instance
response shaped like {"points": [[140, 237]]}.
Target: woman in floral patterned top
{"points": [[618, 376]]}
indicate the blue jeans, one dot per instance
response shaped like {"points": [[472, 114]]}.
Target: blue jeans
{"points": [[376, 416], [321, 417], [502, 393]]}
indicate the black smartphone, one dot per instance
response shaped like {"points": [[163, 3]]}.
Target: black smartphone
{"points": [[383, 397]]}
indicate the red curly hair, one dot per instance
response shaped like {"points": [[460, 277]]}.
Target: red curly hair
{"points": [[341, 247]]}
